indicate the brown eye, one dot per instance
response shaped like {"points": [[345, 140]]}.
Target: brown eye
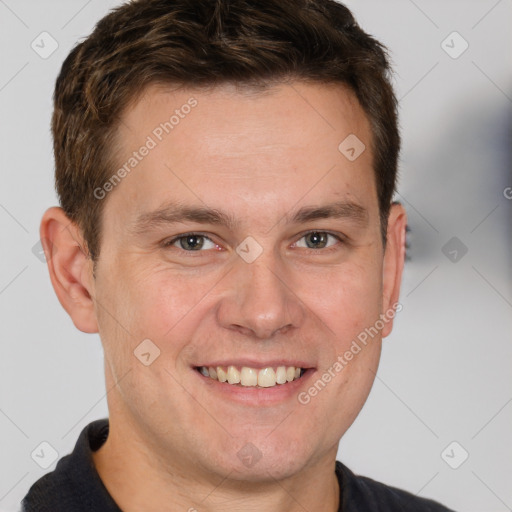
{"points": [[319, 240], [191, 242], [316, 240]]}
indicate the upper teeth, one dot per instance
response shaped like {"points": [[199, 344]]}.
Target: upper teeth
{"points": [[264, 377]]}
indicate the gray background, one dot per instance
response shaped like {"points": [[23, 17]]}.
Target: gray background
{"points": [[446, 372]]}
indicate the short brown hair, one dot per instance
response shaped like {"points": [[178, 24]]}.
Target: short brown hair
{"points": [[200, 43]]}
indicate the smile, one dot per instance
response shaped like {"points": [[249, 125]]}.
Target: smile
{"points": [[246, 376]]}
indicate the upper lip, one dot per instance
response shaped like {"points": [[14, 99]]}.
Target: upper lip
{"points": [[251, 363]]}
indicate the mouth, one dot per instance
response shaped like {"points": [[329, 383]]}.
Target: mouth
{"points": [[250, 377]]}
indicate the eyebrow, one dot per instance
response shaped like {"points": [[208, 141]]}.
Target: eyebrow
{"points": [[172, 213], [342, 209]]}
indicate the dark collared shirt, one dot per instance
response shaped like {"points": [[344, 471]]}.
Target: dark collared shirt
{"points": [[75, 486]]}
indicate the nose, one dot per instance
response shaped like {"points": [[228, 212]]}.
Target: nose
{"points": [[258, 301]]}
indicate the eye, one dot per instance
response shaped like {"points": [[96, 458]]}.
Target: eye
{"points": [[317, 240], [192, 242]]}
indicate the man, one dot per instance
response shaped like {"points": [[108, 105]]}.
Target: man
{"points": [[225, 171]]}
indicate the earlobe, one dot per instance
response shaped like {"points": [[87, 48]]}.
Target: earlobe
{"points": [[393, 265], [70, 268]]}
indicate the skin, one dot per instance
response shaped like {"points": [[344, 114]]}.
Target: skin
{"points": [[258, 158]]}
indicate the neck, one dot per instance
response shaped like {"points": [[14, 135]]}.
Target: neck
{"points": [[139, 478]]}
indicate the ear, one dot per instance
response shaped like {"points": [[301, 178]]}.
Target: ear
{"points": [[393, 265], [70, 268]]}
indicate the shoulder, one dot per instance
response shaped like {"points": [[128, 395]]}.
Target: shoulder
{"points": [[360, 493], [74, 484]]}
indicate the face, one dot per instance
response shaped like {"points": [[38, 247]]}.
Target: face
{"points": [[243, 244]]}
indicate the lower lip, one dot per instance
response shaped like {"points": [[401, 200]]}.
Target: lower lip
{"points": [[256, 396]]}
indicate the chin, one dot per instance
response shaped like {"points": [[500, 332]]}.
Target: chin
{"points": [[262, 457]]}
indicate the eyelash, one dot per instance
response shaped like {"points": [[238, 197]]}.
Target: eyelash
{"points": [[169, 243]]}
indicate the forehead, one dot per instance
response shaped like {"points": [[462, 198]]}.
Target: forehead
{"points": [[244, 111], [269, 147]]}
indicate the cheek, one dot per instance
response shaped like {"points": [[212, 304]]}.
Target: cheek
{"points": [[159, 303], [347, 299]]}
